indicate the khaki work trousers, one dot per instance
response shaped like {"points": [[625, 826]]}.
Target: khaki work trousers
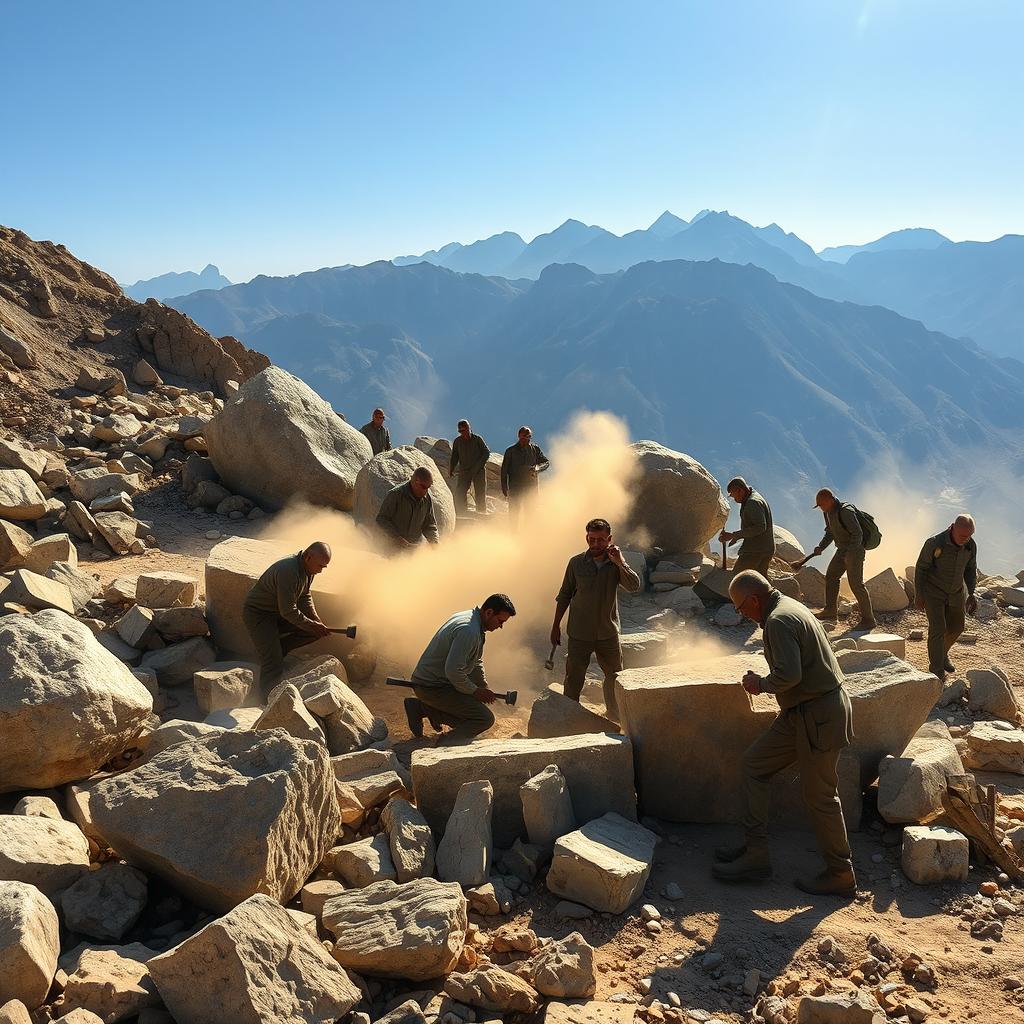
{"points": [[790, 739], [946, 619], [461, 711], [851, 563], [609, 659], [273, 637], [758, 562], [479, 485]]}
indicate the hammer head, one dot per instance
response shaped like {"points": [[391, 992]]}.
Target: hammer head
{"points": [[351, 632], [510, 697]]}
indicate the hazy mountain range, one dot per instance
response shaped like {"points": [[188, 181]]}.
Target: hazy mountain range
{"points": [[748, 373], [167, 285]]}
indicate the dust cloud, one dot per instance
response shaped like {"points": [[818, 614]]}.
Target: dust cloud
{"points": [[399, 601]]}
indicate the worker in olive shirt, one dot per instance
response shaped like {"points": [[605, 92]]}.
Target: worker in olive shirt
{"points": [[406, 514], [519, 468], [814, 724], [376, 433], [756, 528], [450, 684], [944, 582], [469, 467], [590, 591], [843, 527], [278, 611]]}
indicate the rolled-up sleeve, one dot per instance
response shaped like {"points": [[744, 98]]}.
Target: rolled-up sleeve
{"points": [[786, 667]]}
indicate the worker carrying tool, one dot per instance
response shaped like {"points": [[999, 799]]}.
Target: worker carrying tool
{"points": [[449, 681], [756, 529]]}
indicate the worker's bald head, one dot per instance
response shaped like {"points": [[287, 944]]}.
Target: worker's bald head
{"points": [[316, 557], [963, 528], [749, 592]]}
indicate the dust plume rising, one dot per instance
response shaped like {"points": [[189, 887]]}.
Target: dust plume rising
{"points": [[400, 600]]}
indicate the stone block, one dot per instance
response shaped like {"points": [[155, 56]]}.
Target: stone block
{"points": [[812, 586], [104, 904], [464, 853], [364, 862], [51, 855], [597, 767], [933, 854], [365, 779], [547, 807], [165, 590], [890, 642], [603, 865], [115, 987], [177, 664], [38, 592], [411, 841], [47, 550], [644, 647], [136, 628], [175, 624], [887, 592], [217, 689], [29, 943], [992, 694], [285, 710], [840, 1008], [588, 1011], [20, 498], [910, 786], [82, 587], [554, 714], [995, 747], [15, 544]]}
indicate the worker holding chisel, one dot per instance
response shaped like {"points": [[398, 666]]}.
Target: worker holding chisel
{"points": [[449, 681], [756, 529]]}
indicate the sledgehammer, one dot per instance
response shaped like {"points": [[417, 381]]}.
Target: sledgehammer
{"points": [[509, 697], [349, 631]]}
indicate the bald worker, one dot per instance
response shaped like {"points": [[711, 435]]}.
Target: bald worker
{"points": [[756, 528], [814, 723], [279, 613], [944, 581], [376, 433], [406, 515]]}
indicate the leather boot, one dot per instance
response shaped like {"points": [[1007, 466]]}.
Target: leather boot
{"points": [[864, 626], [414, 715], [727, 854], [949, 666], [752, 866], [827, 615], [829, 883]]}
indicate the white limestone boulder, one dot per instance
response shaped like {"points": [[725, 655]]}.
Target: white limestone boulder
{"points": [[464, 853], [547, 807], [887, 592], [387, 470]]}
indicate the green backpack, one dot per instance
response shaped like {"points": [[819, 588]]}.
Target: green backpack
{"points": [[868, 528]]}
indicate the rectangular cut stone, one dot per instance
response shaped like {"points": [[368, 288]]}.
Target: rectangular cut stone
{"points": [[588, 1011], [890, 642], [38, 592], [597, 767], [604, 865]]}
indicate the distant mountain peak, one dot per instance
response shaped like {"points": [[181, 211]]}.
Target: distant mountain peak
{"points": [[668, 224]]}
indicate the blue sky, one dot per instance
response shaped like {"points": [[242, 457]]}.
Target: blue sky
{"points": [[275, 138]]}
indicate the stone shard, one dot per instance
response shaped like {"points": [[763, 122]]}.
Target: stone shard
{"points": [[224, 817], [15, 544], [286, 711], [840, 1008], [932, 854], [887, 592], [910, 786], [20, 498], [365, 779], [81, 586], [277, 440], [389, 469], [547, 807], [60, 683], [488, 987], [678, 503], [262, 965], [51, 855], [995, 747], [414, 931], [411, 840], [104, 904], [115, 987], [597, 767], [165, 590], [464, 853], [554, 714], [991, 694], [604, 865], [364, 862], [565, 969], [29, 943], [217, 689]]}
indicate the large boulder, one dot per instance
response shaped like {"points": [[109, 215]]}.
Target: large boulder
{"points": [[29, 943], [787, 547], [910, 787], [256, 965], [67, 705], [20, 498], [225, 816], [387, 470], [887, 592], [114, 984], [277, 440], [677, 502]]}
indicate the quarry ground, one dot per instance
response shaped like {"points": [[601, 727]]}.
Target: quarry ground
{"points": [[770, 928]]}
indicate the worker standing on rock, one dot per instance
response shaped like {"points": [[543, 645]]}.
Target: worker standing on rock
{"points": [[814, 724], [376, 433], [279, 613], [469, 467], [449, 681], [406, 515], [944, 581], [590, 592], [756, 529], [843, 526], [520, 466]]}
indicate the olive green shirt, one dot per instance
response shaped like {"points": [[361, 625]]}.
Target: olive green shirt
{"points": [[516, 465], [455, 655], [283, 589], [469, 455], [843, 527], [756, 526], [945, 567], [379, 437], [592, 593], [404, 515]]}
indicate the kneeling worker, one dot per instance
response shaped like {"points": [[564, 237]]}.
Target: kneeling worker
{"points": [[814, 724], [278, 611], [450, 685], [406, 514]]}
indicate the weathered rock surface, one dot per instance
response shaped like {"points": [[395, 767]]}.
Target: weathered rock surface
{"points": [[365, 779], [677, 501], [113, 986], [643, 647], [840, 1008], [547, 807], [44, 552], [895, 645], [177, 664], [48, 854], [20, 498], [389, 469], [995, 747], [932, 853], [81, 586], [165, 590], [29, 943], [414, 931], [887, 592], [59, 683], [604, 865], [598, 769], [38, 592], [104, 904], [464, 853], [910, 786], [286, 711], [554, 714], [411, 840], [488, 987], [565, 969], [787, 547], [15, 544], [224, 817], [812, 586], [89, 484], [991, 694], [263, 967], [277, 441], [217, 689], [364, 862]]}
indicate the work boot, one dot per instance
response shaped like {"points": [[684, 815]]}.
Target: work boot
{"points": [[829, 883], [414, 715], [864, 626], [827, 615], [727, 854], [754, 865], [949, 666]]}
